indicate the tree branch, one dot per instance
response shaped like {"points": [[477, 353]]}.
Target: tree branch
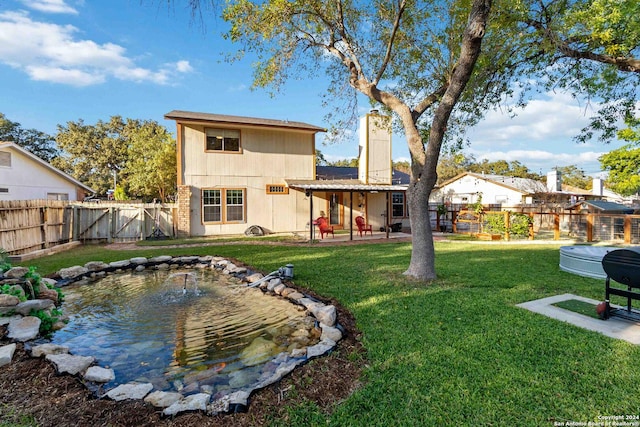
{"points": [[394, 32]]}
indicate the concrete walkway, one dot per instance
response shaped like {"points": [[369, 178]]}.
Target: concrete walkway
{"points": [[614, 327]]}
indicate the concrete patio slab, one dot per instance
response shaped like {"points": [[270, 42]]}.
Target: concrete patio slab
{"points": [[613, 327]]}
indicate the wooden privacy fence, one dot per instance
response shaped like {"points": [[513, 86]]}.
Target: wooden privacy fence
{"points": [[30, 225]]}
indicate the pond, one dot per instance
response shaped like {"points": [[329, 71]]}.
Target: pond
{"points": [[181, 329]]}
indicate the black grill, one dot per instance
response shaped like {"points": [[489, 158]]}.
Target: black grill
{"points": [[622, 267]]}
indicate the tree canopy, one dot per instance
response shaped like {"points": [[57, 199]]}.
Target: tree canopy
{"points": [[137, 154], [623, 164], [34, 141]]}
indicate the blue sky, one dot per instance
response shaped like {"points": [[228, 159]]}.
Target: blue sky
{"points": [[65, 60]]}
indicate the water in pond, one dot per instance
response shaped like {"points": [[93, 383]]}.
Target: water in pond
{"points": [[181, 329]]}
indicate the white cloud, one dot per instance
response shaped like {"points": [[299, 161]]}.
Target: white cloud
{"points": [[53, 53], [237, 88], [183, 66], [50, 6]]}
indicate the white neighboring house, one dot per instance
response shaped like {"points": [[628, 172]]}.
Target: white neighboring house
{"points": [[468, 187], [25, 176]]}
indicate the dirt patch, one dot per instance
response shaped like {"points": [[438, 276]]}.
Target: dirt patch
{"points": [[31, 388]]}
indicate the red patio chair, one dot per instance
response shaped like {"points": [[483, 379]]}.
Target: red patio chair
{"points": [[324, 227], [363, 227]]}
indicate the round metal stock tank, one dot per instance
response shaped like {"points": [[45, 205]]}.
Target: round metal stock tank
{"points": [[584, 260]]}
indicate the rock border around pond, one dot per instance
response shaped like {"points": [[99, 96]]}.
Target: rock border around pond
{"points": [[171, 403]]}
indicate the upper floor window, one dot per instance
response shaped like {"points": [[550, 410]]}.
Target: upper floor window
{"points": [[5, 158], [223, 140]]}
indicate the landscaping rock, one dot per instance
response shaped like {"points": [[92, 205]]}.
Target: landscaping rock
{"points": [[6, 354], [161, 259], [7, 300], [24, 329], [46, 349], [96, 265], [138, 260], [99, 375], [48, 282], [25, 307], [16, 272], [331, 333], [259, 351], [120, 264], [273, 283], [326, 314], [295, 296], [195, 402], [130, 391], [162, 399], [72, 272], [5, 320], [68, 364], [46, 293]]}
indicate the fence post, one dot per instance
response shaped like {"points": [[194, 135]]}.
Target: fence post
{"points": [[556, 226], [43, 227], [143, 221], [627, 229], [507, 224], [454, 221], [111, 225], [531, 232], [589, 227]]}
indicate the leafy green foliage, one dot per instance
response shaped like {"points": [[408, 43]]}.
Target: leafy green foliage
{"points": [[11, 290], [4, 260], [47, 319], [623, 165], [34, 141], [519, 224], [140, 152]]}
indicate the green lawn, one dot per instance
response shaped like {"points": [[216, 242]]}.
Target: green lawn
{"points": [[454, 352]]}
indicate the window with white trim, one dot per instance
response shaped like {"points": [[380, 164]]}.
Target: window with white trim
{"points": [[57, 196], [235, 206], [398, 206], [222, 140], [223, 205]]}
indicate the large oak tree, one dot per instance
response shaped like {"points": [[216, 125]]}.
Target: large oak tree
{"points": [[438, 65]]}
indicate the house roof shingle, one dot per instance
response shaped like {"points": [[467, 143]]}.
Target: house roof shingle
{"points": [[190, 116]]}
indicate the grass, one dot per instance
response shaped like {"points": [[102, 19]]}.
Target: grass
{"points": [[456, 351], [580, 307]]}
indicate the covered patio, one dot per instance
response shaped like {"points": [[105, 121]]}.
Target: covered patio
{"points": [[352, 188]]}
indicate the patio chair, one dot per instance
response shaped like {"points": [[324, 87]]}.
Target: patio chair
{"points": [[324, 227], [363, 227]]}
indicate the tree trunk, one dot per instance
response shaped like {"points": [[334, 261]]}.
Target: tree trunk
{"points": [[424, 162], [422, 265]]}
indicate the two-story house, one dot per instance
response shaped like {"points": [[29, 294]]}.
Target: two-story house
{"points": [[236, 172]]}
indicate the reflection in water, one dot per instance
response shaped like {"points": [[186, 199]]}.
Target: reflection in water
{"points": [[147, 328]]}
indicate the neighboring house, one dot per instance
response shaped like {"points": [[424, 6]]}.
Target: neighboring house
{"points": [[509, 191], [236, 172], [471, 187], [25, 176]]}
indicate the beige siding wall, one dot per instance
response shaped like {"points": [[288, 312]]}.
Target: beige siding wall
{"points": [[267, 157]]}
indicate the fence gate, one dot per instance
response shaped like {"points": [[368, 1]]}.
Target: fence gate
{"points": [[121, 223]]}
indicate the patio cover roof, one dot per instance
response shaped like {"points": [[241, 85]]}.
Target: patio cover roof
{"points": [[342, 185]]}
